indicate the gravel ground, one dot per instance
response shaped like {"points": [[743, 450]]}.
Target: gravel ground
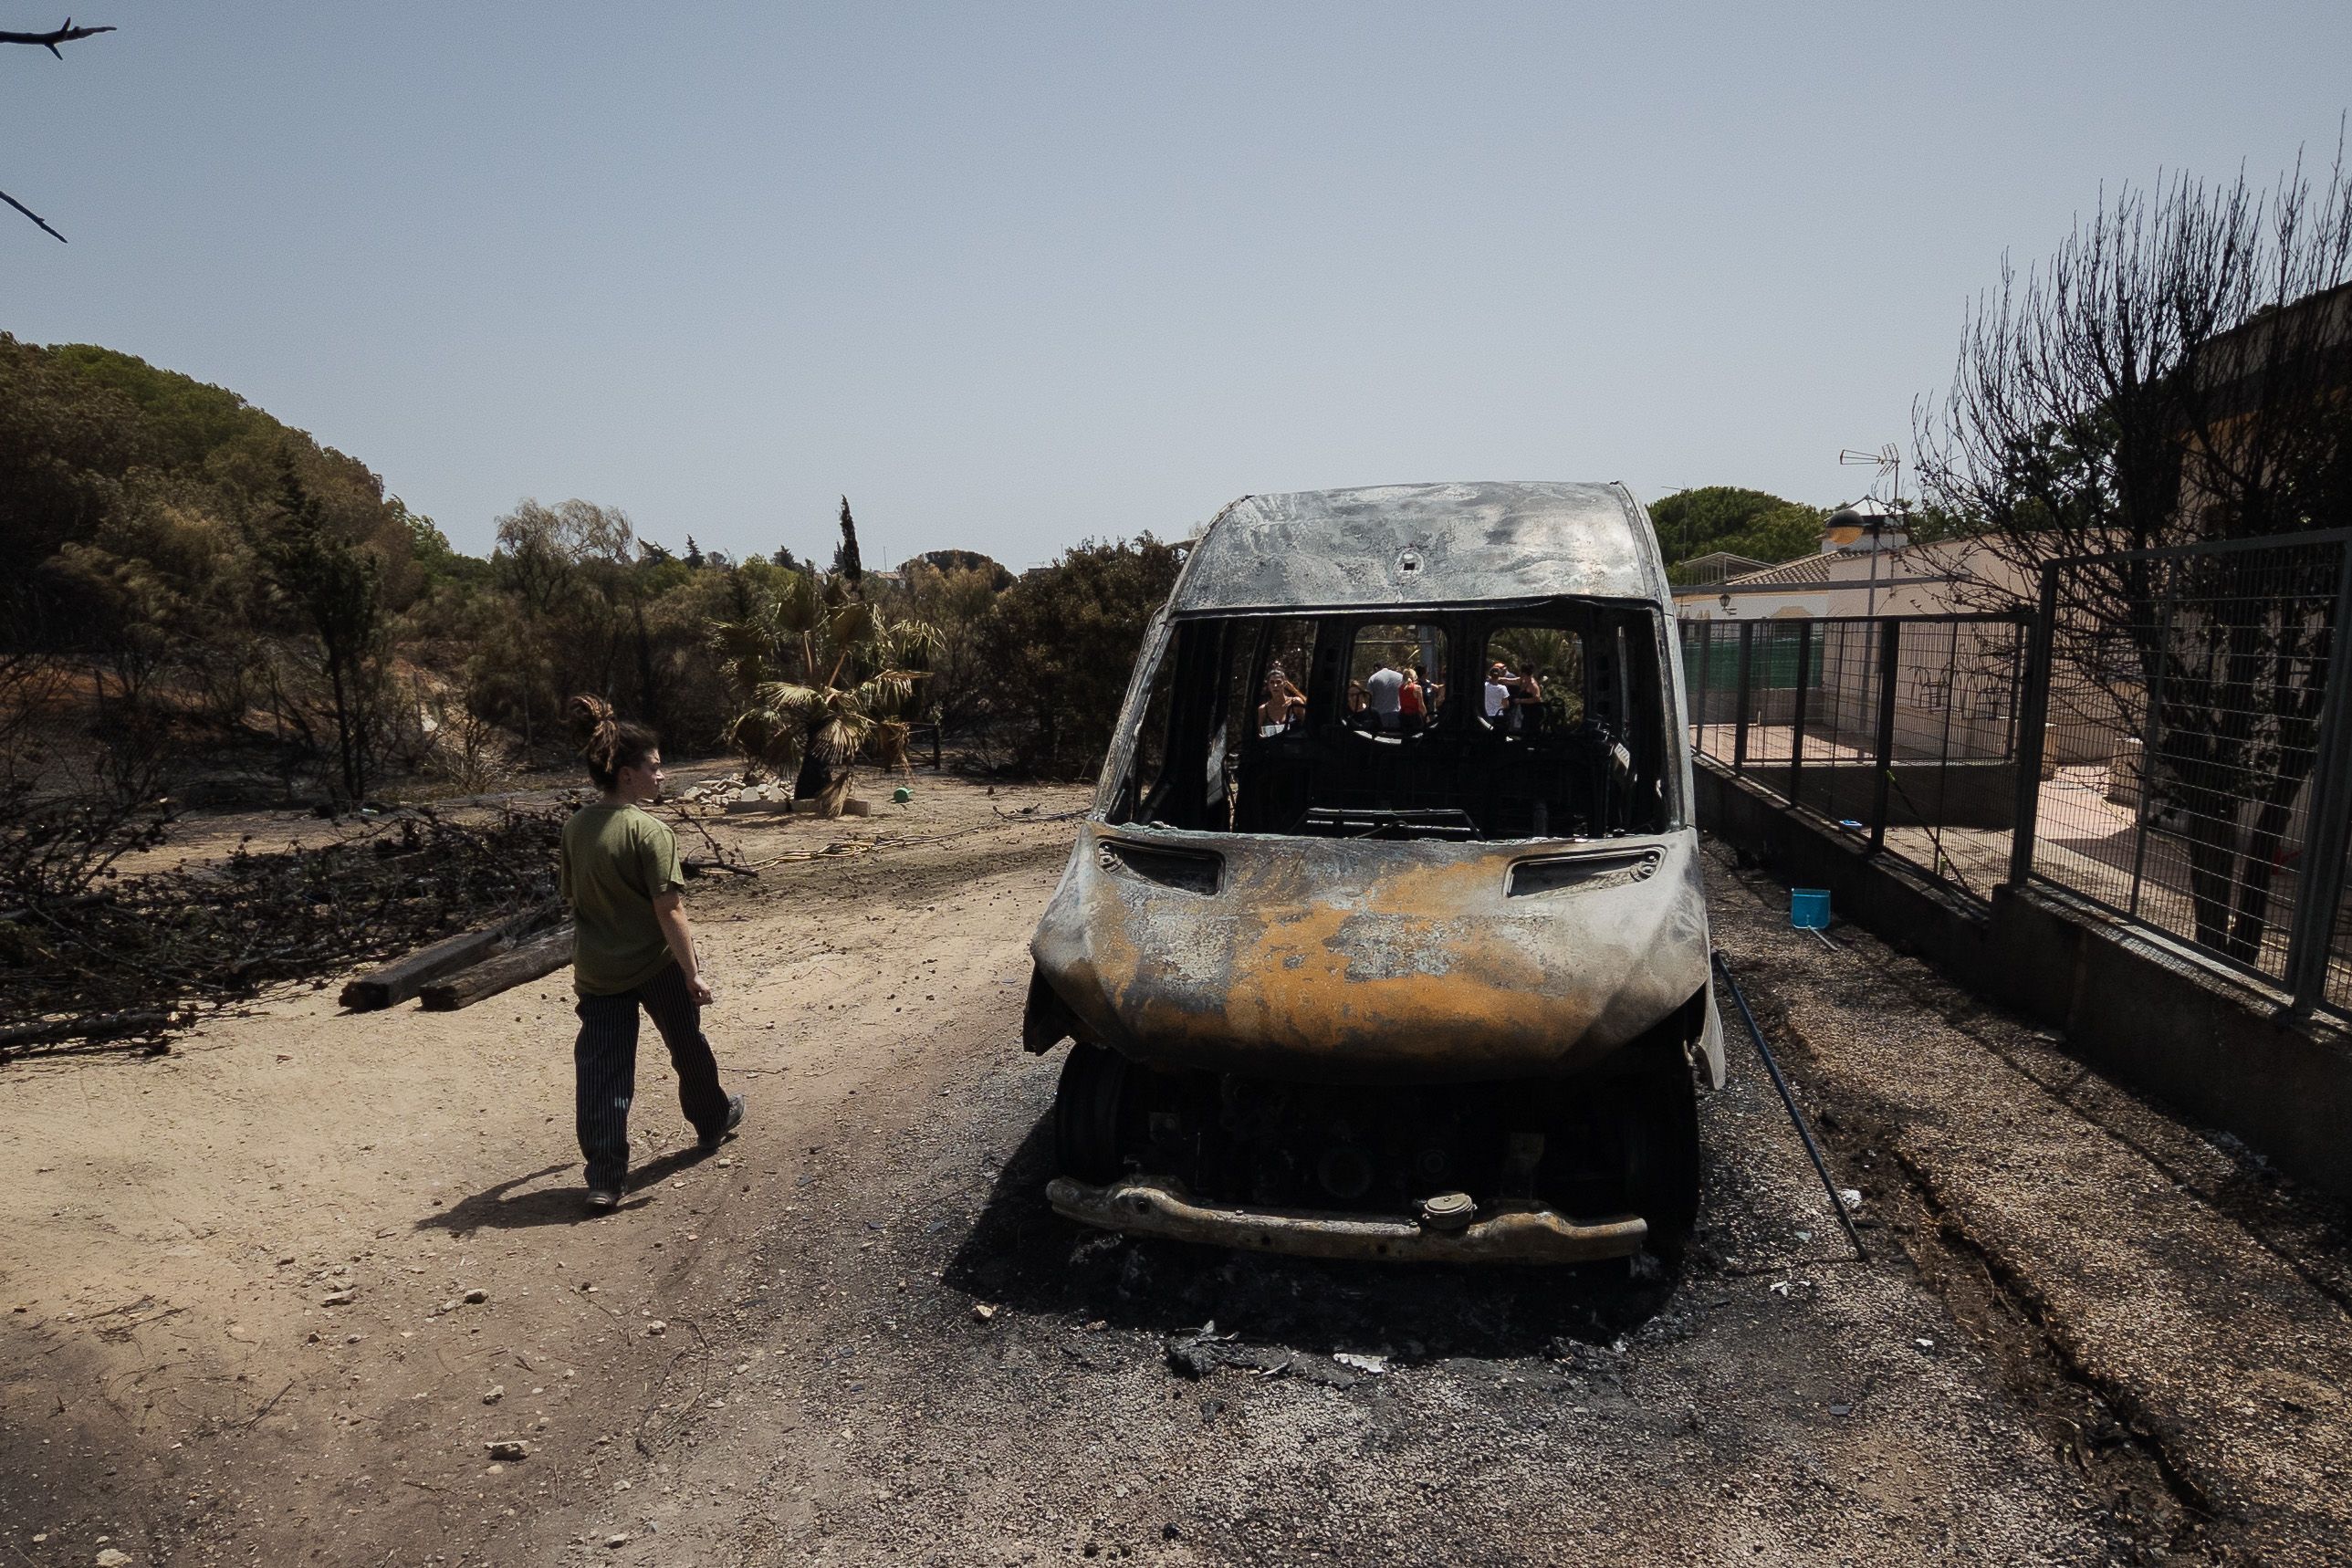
{"points": [[859, 1336], [2195, 1300]]}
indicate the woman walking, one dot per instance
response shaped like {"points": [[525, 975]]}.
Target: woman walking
{"points": [[618, 871]]}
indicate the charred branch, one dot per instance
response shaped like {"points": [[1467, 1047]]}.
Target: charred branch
{"points": [[37, 217], [2174, 375], [195, 938], [68, 34]]}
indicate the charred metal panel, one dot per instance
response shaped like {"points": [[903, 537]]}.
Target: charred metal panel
{"points": [[1407, 545], [1046, 1021], [1371, 962]]}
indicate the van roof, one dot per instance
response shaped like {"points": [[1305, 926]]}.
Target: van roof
{"points": [[1388, 545]]}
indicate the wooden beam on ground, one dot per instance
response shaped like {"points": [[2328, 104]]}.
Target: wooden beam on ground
{"points": [[398, 981], [540, 955]]}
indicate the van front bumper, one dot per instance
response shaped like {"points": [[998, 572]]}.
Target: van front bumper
{"points": [[1518, 1233]]}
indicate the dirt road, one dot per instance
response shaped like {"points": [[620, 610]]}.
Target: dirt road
{"points": [[856, 1335]]}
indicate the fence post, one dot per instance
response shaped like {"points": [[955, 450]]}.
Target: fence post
{"points": [[2152, 734], [1890, 656], [2321, 885], [1739, 726], [2034, 721], [1796, 714], [1705, 643], [2021, 634]]}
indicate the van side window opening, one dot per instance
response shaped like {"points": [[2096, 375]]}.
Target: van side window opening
{"points": [[1539, 723], [1151, 758]]}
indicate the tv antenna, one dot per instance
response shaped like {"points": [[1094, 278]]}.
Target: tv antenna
{"points": [[1888, 461]]}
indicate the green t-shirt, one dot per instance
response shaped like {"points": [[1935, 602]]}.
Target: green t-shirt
{"points": [[614, 862]]}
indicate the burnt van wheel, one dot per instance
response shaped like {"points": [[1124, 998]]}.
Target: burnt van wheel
{"points": [[1086, 1114], [1662, 1153]]}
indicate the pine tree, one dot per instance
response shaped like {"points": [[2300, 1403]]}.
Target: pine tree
{"points": [[845, 556]]}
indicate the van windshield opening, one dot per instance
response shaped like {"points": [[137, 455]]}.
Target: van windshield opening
{"points": [[1545, 722]]}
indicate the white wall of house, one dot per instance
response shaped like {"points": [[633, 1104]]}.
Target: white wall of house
{"points": [[1708, 604]]}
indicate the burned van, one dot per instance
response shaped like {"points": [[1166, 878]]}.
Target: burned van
{"points": [[1385, 935]]}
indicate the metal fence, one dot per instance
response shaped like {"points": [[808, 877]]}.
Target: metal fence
{"points": [[2167, 735], [2188, 735], [1900, 730]]}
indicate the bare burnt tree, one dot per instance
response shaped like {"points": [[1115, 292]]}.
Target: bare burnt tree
{"points": [[2175, 375], [76, 796], [49, 40], [335, 590]]}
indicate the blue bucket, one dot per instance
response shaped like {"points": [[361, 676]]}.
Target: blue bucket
{"points": [[1808, 907]]}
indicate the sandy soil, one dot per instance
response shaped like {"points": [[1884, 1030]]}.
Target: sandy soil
{"points": [[857, 1335]]}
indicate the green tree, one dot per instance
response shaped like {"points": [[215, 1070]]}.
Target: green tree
{"points": [[845, 554], [1062, 641], [958, 602], [434, 558], [953, 561], [1754, 523], [186, 420], [573, 573], [65, 444], [1783, 533]]}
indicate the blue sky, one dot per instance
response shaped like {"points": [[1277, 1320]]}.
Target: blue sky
{"points": [[1013, 276]]}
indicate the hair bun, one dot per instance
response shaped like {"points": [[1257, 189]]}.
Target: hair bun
{"points": [[605, 743], [585, 715], [594, 728]]}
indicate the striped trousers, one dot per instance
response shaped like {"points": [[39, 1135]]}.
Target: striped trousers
{"points": [[606, 1058]]}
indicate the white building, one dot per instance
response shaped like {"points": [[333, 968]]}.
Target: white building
{"points": [[1867, 566]]}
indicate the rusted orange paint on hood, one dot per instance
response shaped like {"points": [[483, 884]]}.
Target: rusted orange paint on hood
{"points": [[1334, 959]]}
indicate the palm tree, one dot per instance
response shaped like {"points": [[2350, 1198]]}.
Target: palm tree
{"points": [[824, 677], [1556, 659]]}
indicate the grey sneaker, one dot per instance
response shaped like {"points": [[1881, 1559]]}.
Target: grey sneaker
{"points": [[734, 1118], [602, 1200]]}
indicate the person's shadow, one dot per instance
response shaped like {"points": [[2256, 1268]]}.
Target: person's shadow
{"points": [[502, 1207], [1019, 1252]]}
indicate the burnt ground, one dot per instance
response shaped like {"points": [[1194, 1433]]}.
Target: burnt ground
{"points": [[2088, 1333]]}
